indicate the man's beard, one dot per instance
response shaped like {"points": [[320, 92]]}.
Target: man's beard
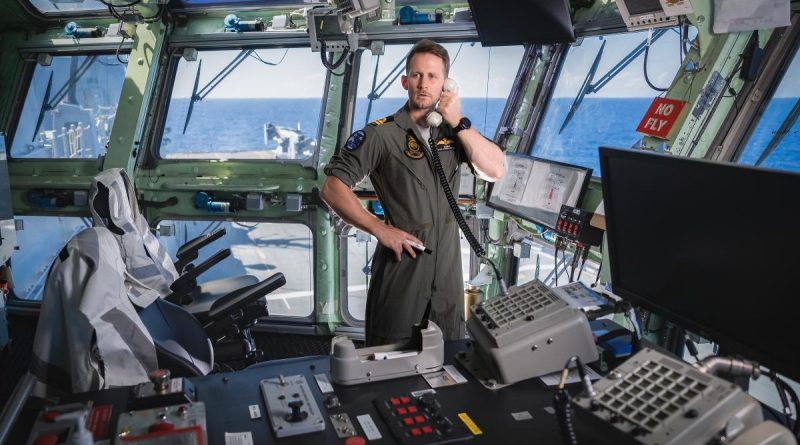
{"points": [[418, 105]]}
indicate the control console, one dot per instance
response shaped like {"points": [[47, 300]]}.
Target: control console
{"points": [[527, 333]]}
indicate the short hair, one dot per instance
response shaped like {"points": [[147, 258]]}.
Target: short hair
{"points": [[430, 47]]}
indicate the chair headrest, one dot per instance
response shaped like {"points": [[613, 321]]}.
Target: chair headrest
{"points": [[100, 204]]}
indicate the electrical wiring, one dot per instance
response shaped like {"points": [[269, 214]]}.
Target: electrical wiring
{"points": [[784, 389], [557, 245], [562, 400], [256, 56], [644, 65], [119, 47]]}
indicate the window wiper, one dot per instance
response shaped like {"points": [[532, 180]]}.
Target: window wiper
{"points": [[588, 87], [385, 84], [213, 83], [48, 104], [44, 108], [780, 133]]}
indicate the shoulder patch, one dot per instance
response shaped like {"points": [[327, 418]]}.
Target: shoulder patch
{"points": [[382, 121], [355, 140]]}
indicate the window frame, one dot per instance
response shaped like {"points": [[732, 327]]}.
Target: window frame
{"points": [[58, 17], [23, 87], [160, 101]]}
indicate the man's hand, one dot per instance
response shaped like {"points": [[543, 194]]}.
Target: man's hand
{"points": [[395, 240], [450, 108]]}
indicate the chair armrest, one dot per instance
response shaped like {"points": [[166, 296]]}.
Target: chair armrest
{"points": [[237, 299], [188, 280], [188, 252]]}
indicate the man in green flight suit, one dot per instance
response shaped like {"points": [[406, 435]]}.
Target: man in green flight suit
{"points": [[394, 152]]}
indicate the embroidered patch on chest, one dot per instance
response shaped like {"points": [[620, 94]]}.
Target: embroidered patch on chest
{"points": [[413, 150], [355, 140], [445, 144]]}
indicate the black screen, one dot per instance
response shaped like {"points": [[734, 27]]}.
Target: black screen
{"points": [[514, 22], [637, 7], [711, 246]]}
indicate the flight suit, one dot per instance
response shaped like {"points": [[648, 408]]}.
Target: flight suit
{"points": [[391, 152]]}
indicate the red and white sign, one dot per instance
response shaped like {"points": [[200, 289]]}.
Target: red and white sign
{"points": [[661, 117]]}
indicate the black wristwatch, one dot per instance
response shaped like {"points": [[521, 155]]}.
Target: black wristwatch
{"points": [[463, 124]]}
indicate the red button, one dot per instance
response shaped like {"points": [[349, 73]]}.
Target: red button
{"points": [[46, 439], [405, 399], [355, 440], [427, 429], [412, 409], [416, 432], [394, 401], [50, 416], [402, 411], [419, 419], [161, 427], [408, 421]]}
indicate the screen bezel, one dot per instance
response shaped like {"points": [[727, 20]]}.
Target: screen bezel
{"points": [[658, 8], [567, 36], [729, 343], [579, 201]]}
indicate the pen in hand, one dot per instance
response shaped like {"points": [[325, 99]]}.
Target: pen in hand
{"points": [[419, 246]]}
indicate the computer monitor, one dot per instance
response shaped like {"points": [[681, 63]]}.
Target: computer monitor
{"points": [[535, 189], [713, 247], [514, 22]]}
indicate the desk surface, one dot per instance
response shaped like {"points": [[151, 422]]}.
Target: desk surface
{"points": [[227, 397]]}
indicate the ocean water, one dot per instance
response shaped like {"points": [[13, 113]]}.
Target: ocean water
{"points": [[232, 125]]}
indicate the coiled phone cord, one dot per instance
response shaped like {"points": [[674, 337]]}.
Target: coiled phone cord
{"points": [[451, 200]]}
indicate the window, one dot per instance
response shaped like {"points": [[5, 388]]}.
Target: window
{"points": [[247, 104], [70, 108], [70, 6], [543, 251], [609, 113], [261, 250], [775, 143], [484, 77], [200, 4], [39, 243], [360, 249]]}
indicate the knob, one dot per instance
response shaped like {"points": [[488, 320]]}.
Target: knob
{"points": [[160, 379], [296, 415]]}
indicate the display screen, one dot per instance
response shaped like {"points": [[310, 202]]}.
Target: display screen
{"points": [[535, 189], [708, 245], [638, 7], [512, 22]]}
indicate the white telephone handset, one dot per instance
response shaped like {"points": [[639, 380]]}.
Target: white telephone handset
{"points": [[434, 119]]}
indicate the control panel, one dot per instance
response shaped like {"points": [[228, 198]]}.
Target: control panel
{"points": [[573, 224], [420, 420], [176, 424], [291, 406], [655, 399]]}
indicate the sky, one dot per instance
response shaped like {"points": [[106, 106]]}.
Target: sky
{"points": [[301, 74]]}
